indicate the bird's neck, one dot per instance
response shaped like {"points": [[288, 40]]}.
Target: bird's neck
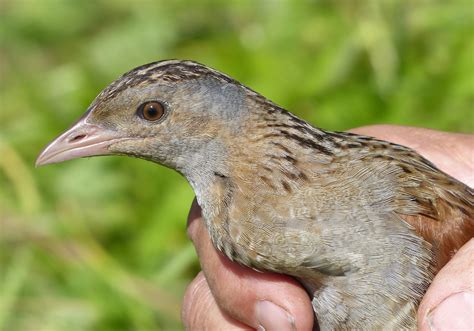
{"points": [[206, 166], [267, 151]]}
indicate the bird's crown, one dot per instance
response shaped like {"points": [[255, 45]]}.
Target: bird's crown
{"points": [[166, 71]]}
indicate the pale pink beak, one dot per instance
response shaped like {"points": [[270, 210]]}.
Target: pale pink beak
{"points": [[81, 140]]}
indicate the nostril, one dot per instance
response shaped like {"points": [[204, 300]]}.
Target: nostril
{"points": [[77, 138]]}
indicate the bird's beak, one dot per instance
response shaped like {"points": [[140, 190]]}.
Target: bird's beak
{"points": [[81, 140]]}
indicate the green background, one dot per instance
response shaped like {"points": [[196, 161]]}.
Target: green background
{"points": [[100, 244]]}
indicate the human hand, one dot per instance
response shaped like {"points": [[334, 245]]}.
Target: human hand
{"points": [[227, 296]]}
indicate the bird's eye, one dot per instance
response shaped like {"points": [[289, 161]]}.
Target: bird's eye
{"points": [[151, 111]]}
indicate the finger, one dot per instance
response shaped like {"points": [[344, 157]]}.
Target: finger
{"points": [[268, 300], [201, 312], [449, 301]]}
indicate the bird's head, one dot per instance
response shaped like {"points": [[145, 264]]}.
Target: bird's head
{"points": [[176, 113]]}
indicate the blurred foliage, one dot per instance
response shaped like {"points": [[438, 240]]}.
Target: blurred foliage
{"points": [[100, 244]]}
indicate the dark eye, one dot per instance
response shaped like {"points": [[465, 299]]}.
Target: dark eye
{"points": [[151, 111]]}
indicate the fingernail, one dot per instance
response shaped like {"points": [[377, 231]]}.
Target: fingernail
{"points": [[456, 312], [272, 317]]}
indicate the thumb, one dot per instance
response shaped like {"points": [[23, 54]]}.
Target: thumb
{"points": [[449, 302]]}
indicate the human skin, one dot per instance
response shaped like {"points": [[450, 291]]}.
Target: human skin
{"points": [[227, 296]]}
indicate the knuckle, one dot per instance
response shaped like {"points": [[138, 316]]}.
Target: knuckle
{"points": [[194, 297], [193, 221]]}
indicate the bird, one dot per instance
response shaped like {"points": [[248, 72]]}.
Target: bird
{"points": [[363, 224]]}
